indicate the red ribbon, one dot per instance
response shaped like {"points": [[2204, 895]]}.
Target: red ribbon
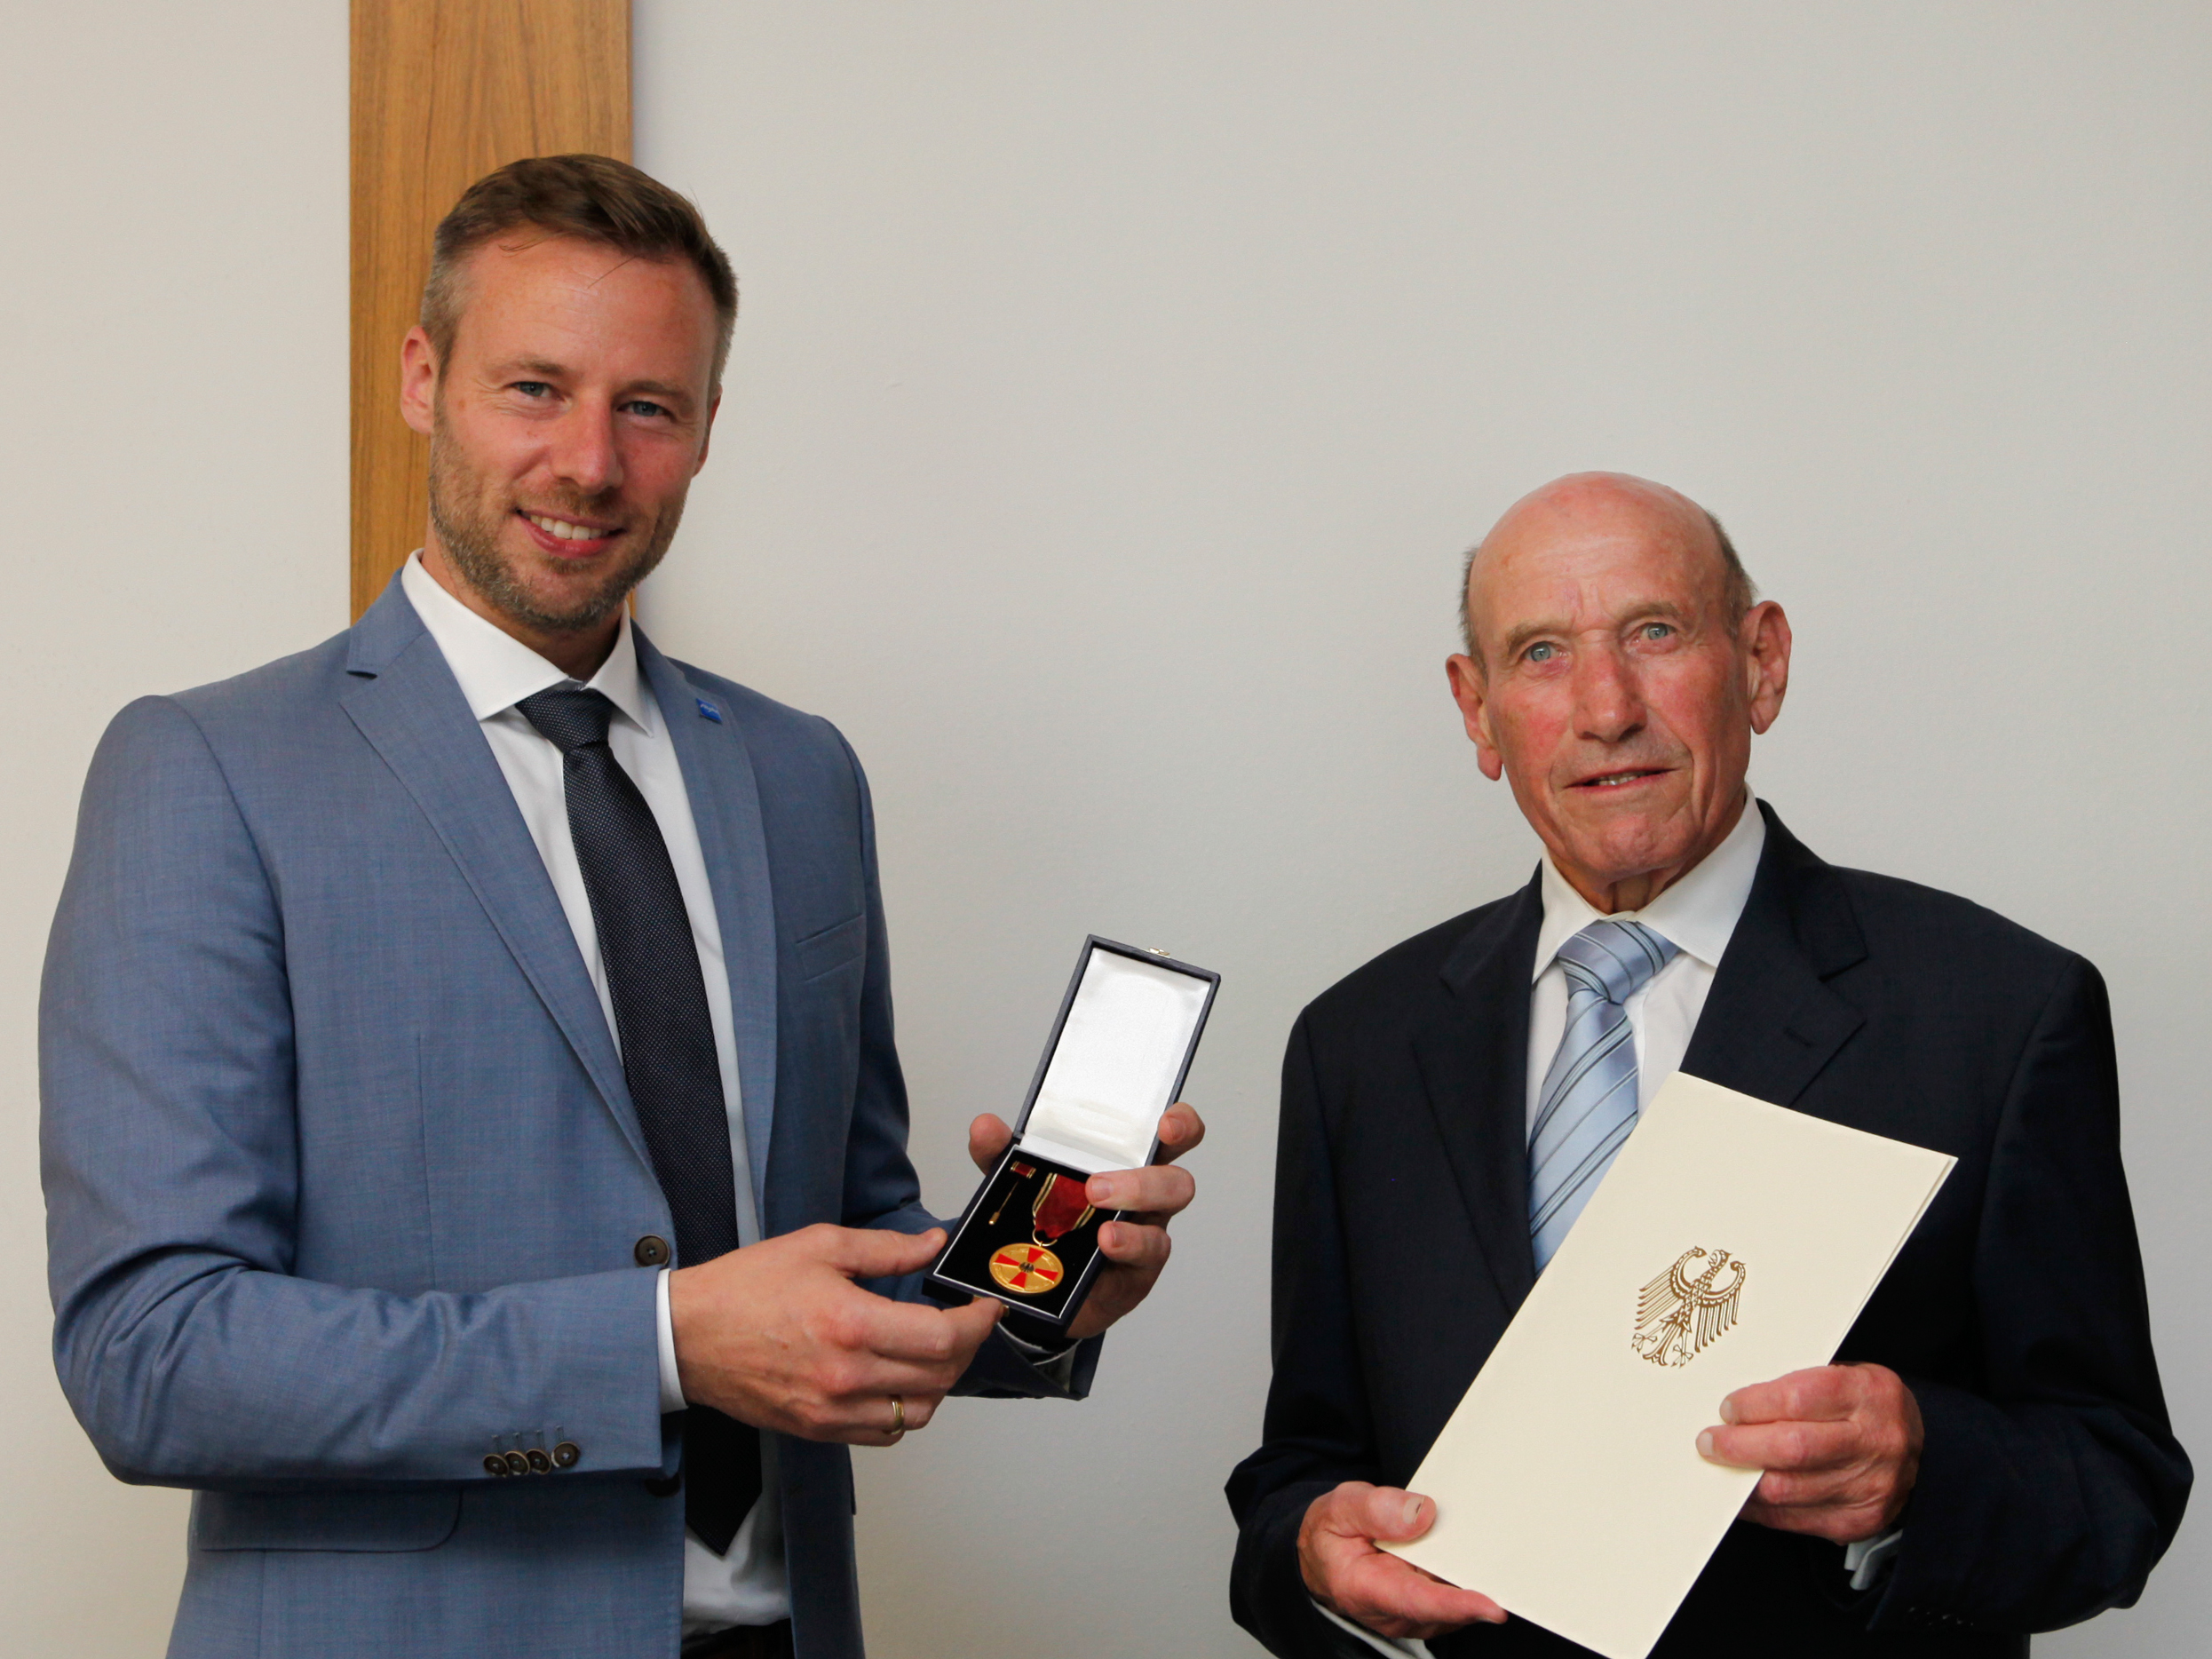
{"points": [[1061, 1207]]}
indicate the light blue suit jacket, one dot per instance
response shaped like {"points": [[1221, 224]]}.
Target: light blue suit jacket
{"points": [[343, 1181]]}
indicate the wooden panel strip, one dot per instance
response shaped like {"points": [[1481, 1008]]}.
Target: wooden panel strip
{"points": [[444, 90]]}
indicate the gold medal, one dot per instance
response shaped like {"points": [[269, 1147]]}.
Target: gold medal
{"points": [[1026, 1269]]}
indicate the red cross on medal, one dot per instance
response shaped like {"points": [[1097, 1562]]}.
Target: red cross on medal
{"points": [[1029, 1269]]}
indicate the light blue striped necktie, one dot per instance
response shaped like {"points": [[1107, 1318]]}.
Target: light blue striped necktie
{"points": [[1588, 1102]]}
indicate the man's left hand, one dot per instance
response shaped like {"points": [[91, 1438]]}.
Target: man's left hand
{"points": [[1136, 1246], [1840, 1445]]}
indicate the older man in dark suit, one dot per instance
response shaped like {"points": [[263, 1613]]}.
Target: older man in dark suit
{"points": [[1991, 1454]]}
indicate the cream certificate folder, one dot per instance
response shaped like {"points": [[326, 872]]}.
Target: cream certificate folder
{"points": [[1730, 1242]]}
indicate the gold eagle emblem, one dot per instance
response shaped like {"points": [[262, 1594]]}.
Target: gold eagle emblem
{"points": [[1678, 1312]]}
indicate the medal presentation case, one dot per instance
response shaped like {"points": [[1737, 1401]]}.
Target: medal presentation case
{"points": [[1120, 1050]]}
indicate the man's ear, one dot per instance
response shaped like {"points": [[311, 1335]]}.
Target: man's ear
{"points": [[706, 438], [418, 381], [1469, 691], [1765, 642]]}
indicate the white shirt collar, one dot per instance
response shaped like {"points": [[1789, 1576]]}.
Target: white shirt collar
{"points": [[1698, 913], [497, 671]]}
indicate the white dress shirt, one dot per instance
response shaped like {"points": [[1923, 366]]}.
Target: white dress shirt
{"points": [[496, 671]]}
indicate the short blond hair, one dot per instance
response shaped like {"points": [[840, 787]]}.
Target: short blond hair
{"points": [[591, 198]]}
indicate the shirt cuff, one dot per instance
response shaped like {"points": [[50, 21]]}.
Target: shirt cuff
{"points": [[1868, 1558], [1057, 1366], [671, 1385], [1395, 1647]]}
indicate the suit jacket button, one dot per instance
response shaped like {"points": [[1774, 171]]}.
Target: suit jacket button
{"points": [[651, 1251], [540, 1463], [516, 1463], [493, 1464], [565, 1454]]}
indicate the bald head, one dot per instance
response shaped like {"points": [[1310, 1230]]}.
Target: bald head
{"points": [[1613, 506], [1617, 669]]}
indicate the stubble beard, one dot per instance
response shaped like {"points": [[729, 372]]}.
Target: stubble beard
{"points": [[470, 535]]}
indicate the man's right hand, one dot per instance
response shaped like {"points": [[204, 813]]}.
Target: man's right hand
{"points": [[777, 1334], [1346, 1573]]}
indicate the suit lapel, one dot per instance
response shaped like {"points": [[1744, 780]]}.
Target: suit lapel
{"points": [[725, 805], [404, 701], [1771, 1022], [1473, 1056]]}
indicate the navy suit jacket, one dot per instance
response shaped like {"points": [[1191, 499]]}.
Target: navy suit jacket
{"points": [[343, 1183], [2052, 1481]]}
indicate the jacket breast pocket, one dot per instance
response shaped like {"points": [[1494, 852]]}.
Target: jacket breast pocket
{"points": [[823, 953], [360, 1522]]}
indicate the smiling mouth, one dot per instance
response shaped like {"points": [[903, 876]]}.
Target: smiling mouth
{"points": [[1615, 779], [563, 530]]}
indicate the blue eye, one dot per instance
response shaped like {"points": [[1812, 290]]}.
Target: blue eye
{"points": [[1657, 630], [1542, 653], [532, 388], [638, 406]]}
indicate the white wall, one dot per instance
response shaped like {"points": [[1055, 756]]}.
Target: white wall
{"points": [[173, 457], [1116, 386]]}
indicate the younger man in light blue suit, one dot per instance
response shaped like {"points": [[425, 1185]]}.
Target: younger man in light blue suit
{"points": [[429, 1014]]}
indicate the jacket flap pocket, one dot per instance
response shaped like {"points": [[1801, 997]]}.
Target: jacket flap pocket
{"points": [[364, 1523], [831, 949]]}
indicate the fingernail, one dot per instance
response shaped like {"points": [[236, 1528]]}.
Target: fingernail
{"points": [[1412, 1512], [1728, 1410], [1705, 1443], [1099, 1191]]}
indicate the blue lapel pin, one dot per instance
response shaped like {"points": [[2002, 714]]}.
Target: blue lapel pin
{"points": [[707, 711]]}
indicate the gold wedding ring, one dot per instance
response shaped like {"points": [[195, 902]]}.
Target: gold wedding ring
{"points": [[897, 1417]]}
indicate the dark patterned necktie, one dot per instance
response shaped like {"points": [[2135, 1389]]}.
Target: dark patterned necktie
{"points": [[668, 1060]]}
